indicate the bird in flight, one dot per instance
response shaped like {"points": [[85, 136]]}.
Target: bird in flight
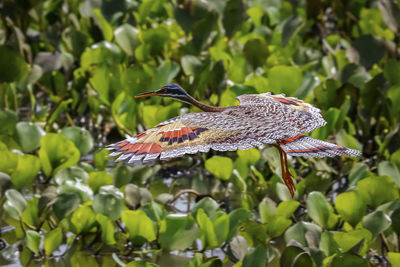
{"points": [[258, 119]]}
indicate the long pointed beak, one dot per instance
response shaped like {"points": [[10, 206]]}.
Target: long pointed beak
{"points": [[148, 94]]}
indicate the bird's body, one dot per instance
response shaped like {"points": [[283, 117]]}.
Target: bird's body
{"points": [[259, 119]]}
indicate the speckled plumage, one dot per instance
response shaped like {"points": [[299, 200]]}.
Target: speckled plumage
{"points": [[259, 119]]}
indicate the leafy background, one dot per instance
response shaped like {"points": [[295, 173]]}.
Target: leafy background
{"points": [[68, 73]]}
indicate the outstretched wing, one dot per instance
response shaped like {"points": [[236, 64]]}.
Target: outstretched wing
{"points": [[305, 146], [188, 134], [306, 117]]}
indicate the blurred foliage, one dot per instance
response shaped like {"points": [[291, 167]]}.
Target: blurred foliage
{"points": [[68, 73]]}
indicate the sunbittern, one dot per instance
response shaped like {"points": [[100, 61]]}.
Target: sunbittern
{"points": [[259, 119]]}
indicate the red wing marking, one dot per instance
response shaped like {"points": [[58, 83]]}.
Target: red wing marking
{"points": [[289, 140], [122, 143], [149, 148], [181, 135], [133, 147], [320, 148], [286, 101]]}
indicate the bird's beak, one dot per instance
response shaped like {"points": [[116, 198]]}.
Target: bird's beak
{"points": [[149, 94]]}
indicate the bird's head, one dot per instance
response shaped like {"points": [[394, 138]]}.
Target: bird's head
{"points": [[169, 90]]}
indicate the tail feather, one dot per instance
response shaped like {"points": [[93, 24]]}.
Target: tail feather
{"points": [[305, 146]]}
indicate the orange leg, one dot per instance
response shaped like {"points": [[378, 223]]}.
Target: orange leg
{"points": [[286, 176]]}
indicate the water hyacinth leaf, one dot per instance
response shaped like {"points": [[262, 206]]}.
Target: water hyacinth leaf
{"points": [[81, 137], [65, 204], [389, 169], [318, 208], [177, 232], [285, 79], [5, 183], [100, 159], [8, 120], [251, 156], [233, 17], [256, 52], [166, 72], [376, 222], [124, 110], [28, 136], [370, 49], [207, 204], [191, 65], [351, 207], [298, 232], [255, 257], [220, 222], [107, 229], [71, 174], [327, 243], [347, 240], [140, 227], [236, 217], [290, 28], [208, 235], [394, 258], [141, 264], [30, 215], [345, 139], [13, 67], [377, 190], [81, 189], [254, 232], [127, 39], [57, 152], [99, 178], [348, 260], [23, 176], [52, 240], [8, 161], [109, 202], [82, 220], [220, 167], [102, 53], [267, 210], [32, 241], [15, 204], [287, 208], [296, 256]]}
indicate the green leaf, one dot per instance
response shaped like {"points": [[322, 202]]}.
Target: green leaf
{"points": [[318, 208], [107, 229], [28, 136], [105, 27], [82, 190], [127, 38], [52, 240], [191, 65], [82, 139], [236, 217], [82, 220], [233, 16], [290, 28], [13, 67], [296, 257], [109, 202], [208, 236], [394, 258], [220, 167], [71, 174], [207, 204], [250, 156], [8, 161], [255, 257], [267, 210], [287, 208], [298, 232], [377, 190], [141, 264], [65, 204], [347, 240], [327, 243], [256, 52], [23, 176], [100, 159], [348, 260], [5, 183], [177, 232], [390, 70], [389, 169], [140, 226], [254, 232], [285, 79], [376, 222], [30, 215], [15, 204], [32, 241], [351, 206], [57, 152], [99, 179], [8, 121]]}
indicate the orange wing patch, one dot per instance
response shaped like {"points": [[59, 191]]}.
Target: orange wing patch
{"points": [[290, 101]]}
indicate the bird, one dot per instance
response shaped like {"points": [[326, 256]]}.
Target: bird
{"points": [[259, 119]]}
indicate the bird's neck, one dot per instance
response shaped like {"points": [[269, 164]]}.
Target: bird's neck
{"points": [[204, 107]]}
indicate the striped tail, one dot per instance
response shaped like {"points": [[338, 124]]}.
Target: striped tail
{"points": [[305, 146]]}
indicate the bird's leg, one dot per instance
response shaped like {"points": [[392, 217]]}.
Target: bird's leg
{"points": [[286, 176]]}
